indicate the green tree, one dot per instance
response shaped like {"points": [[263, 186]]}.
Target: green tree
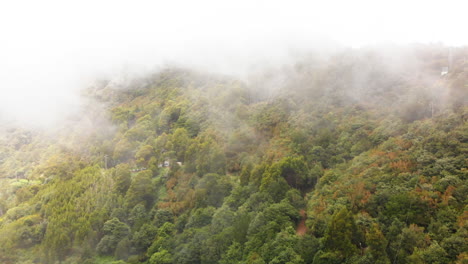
{"points": [[138, 216], [143, 238], [144, 154], [211, 190], [141, 190], [342, 235], [122, 178], [163, 216], [180, 141], [432, 254], [233, 254], [122, 250], [114, 231], [377, 245], [161, 257]]}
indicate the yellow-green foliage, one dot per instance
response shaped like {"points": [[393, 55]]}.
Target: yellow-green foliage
{"points": [[198, 168]]}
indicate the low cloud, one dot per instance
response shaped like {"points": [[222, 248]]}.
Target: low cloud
{"points": [[49, 50]]}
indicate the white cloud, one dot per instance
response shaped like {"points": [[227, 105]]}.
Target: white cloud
{"points": [[48, 49]]}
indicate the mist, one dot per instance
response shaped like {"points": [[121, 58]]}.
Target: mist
{"points": [[50, 50]]}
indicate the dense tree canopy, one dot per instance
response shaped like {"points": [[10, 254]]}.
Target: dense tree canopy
{"points": [[348, 160]]}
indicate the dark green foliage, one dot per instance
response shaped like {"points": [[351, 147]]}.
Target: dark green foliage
{"points": [[163, 216], [141, 190], [327, 258], [377, 245], [407, 209], [455, 244], [233, 254], [346, 163], [163, 239], [144, 237], [200, 217], [138, 216], [211, 159], [122, 250], [122, 178], [307, 247], [294, 170], [342, 236], [211, 190], [114, 232]]}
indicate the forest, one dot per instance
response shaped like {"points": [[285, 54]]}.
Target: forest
{"points": [[355, 157]]}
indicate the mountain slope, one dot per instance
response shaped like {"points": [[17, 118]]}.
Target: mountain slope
{"points": [[201, 168]]}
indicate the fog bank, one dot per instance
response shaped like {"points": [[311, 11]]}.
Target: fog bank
{"points": [[49, 50]]}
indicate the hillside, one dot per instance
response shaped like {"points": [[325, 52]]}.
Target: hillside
{"points": [[358, 157]]}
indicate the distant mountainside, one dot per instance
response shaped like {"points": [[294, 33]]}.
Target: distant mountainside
{"points": [[359, 157]]}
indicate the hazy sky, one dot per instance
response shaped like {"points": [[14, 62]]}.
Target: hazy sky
{"points": [[48, 49]]}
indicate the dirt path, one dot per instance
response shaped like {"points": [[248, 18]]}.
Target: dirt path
{"points": [[301, 227]]}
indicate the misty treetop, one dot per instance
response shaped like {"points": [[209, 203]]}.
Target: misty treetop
{"points": [[359, 157]]}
